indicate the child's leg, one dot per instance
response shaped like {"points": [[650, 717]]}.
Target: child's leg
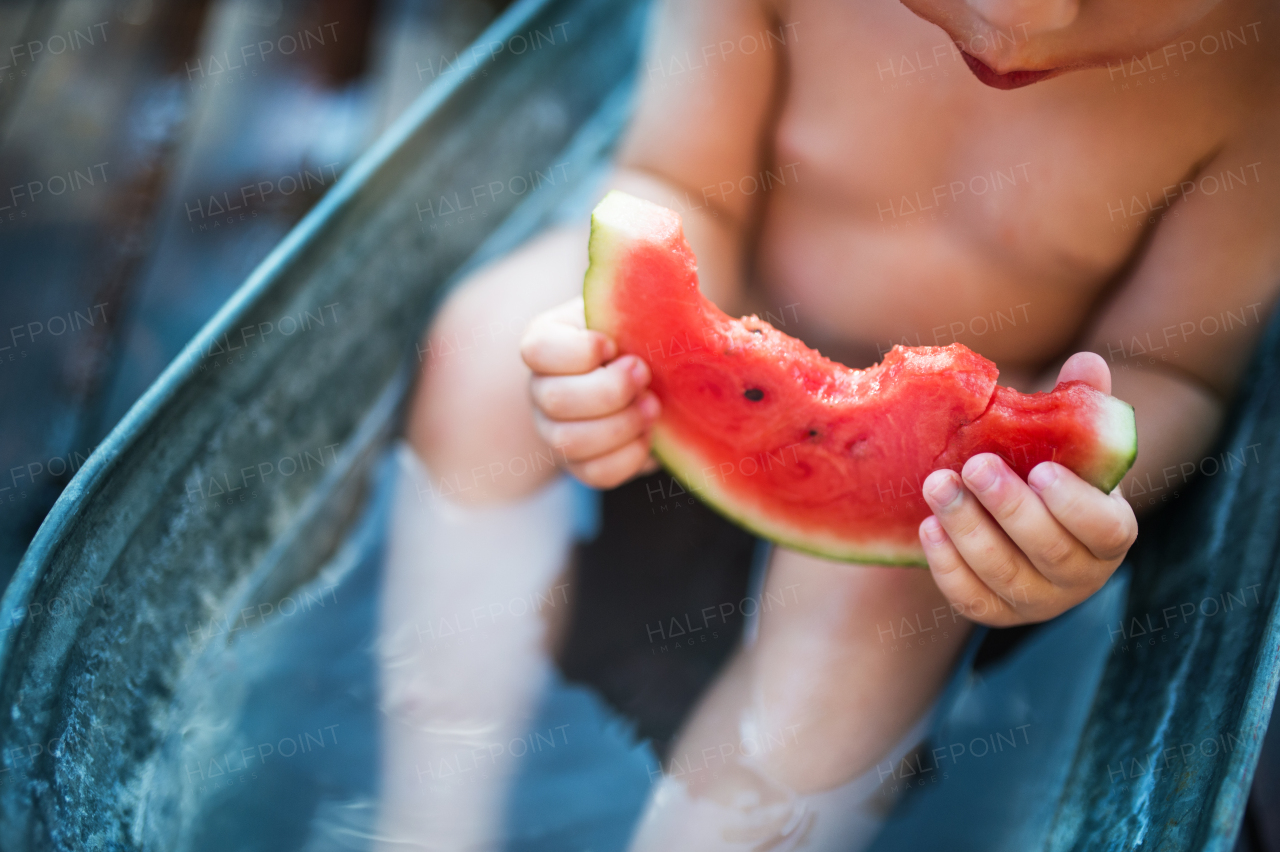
{"points": [[847, 662], [470, 418], [469, 602]]}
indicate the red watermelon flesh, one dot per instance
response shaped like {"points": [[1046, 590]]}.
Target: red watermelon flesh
{"points": [[798, 448]]}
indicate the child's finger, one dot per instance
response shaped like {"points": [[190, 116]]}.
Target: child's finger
{"points": [[956, 579], [598, 393], [1089, 367], [615, 468], [581, 440], [981, 543], [1025, 519], [1104, 523], [559, 349]]}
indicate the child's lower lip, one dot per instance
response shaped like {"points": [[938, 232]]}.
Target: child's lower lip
{"points": [[1012, 80]]}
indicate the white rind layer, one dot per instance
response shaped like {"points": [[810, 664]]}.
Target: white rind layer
{"points": [[620, 220]]}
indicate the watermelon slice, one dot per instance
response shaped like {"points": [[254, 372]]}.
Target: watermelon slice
{"points": [[800, 449]]}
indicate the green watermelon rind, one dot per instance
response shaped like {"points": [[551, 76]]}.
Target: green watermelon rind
{"points": [[666, 450], [1118, 434], [1117, 430]]}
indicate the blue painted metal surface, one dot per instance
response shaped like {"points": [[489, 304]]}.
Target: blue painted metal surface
{"points": [[184, 518]]}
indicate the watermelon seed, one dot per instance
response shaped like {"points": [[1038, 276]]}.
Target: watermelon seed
{"points": [[753, 394], [813, 433], [757, 331]]}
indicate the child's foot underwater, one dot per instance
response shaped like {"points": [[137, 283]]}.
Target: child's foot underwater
{"points": [[463, 653], [746, 810]]}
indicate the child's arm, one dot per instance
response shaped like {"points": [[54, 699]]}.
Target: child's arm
{"points": [[692, 129], [1177, 335]]}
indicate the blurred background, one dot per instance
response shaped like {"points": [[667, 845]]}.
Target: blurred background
{"points": [[152, 152]]}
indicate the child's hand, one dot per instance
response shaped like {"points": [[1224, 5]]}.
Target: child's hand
{"points": [[591, 407], [1008, 552]]}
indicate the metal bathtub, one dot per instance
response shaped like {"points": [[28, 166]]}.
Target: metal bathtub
{"points": [[97, 646]]}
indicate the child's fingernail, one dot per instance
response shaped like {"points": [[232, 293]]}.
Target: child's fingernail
{"points": [[933, 532], [608, 349], [1042, 476], [639, 371], [649, 407], [981, 472], [942, 488]]}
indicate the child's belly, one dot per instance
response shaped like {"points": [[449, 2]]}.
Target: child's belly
{"points": [[853, 288]]}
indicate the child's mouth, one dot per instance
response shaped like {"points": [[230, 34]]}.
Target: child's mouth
{"points": [[1012, 80]]}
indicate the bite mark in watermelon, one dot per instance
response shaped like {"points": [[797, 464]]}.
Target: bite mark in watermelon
{"points": [[800, 449]]}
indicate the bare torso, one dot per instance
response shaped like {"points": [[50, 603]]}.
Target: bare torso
{"points": [[909, 203]]}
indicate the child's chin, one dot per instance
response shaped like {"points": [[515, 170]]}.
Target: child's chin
{"points": [[1012, 80]]}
